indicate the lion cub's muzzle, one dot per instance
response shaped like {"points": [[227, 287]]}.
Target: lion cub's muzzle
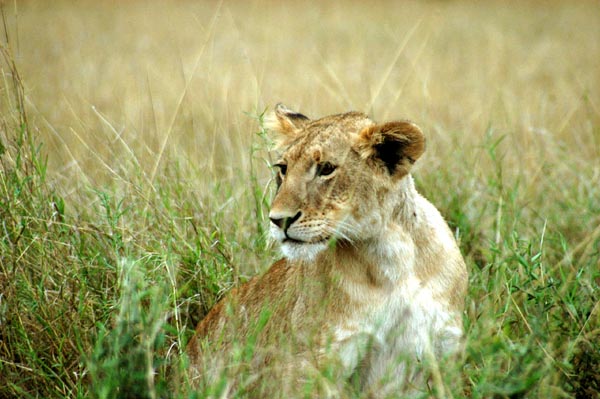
{"points": [[290, 227], [298, 239]]}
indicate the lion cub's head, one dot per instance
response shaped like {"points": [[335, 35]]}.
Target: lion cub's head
{"points": [[338, 178]]}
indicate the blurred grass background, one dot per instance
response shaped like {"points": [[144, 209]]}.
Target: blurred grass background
{"points": [[134, 185]]}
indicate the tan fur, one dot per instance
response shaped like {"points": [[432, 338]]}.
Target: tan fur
{"points": [[372, 283]]}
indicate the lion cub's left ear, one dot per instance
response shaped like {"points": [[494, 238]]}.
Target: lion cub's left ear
{"points": [[285, 124], [395, 146]]}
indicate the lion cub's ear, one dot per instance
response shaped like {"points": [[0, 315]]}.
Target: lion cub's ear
{"points": [[393, 145], [285, 124]]}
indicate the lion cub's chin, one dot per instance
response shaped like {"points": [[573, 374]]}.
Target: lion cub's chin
{"points": [[302, 250]]}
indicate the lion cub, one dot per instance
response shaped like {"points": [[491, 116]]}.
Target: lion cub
{"points": [[372, 283]]}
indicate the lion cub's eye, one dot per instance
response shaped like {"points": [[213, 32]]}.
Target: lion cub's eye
{"points": [[325, 169], [282, 168]]}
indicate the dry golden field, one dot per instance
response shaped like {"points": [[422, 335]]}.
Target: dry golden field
{"points": [[147, 112], [117, 84]]}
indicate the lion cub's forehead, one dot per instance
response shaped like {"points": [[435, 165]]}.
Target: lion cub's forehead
{"points": [[328, 136]]}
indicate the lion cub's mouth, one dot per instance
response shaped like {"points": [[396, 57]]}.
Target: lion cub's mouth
{"points": [[289, 240], [292, 241]]}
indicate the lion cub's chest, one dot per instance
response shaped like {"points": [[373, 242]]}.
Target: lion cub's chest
{"points": [[388, 311], [394, 310]]}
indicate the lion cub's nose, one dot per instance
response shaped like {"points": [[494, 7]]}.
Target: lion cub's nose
{"points": [[284, 222]]}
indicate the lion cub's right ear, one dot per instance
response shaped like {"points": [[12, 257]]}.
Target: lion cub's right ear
{"points": [[285, 124]]}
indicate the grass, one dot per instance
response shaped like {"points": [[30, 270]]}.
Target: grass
{"points": [[133, 187]]}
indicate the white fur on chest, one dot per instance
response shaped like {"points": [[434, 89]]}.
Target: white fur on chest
{"points": [[408, 320], [403, 320]]}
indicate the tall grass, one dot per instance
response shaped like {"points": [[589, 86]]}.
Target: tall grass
{"points": [[133, 185]]}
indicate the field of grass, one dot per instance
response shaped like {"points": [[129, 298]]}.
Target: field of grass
{"points": [[134, 177]]}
